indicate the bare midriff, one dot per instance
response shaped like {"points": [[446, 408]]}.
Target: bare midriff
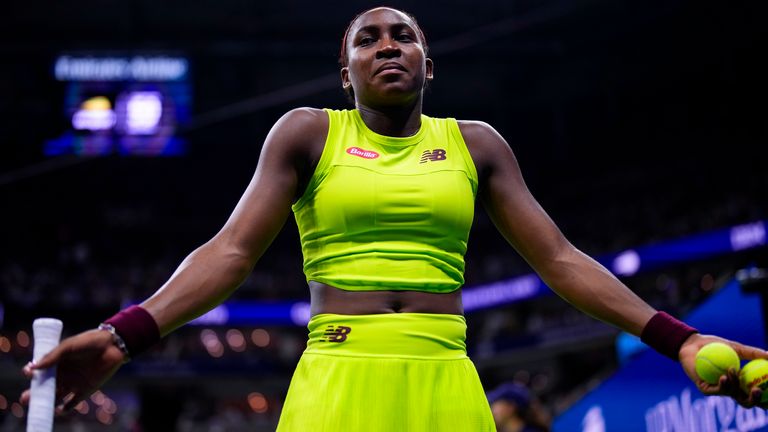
{"points": [[328, 299]]}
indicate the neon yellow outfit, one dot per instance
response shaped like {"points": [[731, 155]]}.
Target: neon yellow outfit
{"points": [[384, 213], [391, 373]]}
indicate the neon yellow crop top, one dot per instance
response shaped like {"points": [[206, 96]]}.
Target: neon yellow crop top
{"points": [[387, 213]]}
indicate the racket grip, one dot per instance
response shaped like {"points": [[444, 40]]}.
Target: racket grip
{"points": [[46, 333]]}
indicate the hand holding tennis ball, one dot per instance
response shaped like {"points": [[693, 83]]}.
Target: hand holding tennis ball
{"points": [[755, 374], [715, 359]]}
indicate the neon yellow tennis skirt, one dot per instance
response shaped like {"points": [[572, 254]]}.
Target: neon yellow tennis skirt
{"points": [[386, 373]]}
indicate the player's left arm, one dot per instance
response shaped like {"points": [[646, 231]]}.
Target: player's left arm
{"points": [[574, 276]]}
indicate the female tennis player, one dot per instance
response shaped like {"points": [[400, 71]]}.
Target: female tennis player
{"points": [[383, 197]]}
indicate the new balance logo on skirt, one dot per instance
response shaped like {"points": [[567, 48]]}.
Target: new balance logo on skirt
{"points": [[335, 334], [432, 155]]}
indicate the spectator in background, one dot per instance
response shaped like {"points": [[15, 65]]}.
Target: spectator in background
{"points": [[516, 409]]}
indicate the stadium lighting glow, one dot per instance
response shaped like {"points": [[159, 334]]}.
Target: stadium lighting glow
{"points": [[505, 291], [22, 338], [258, 402], [217, 315], [236, 340], [747, 236], [300, 313], [260, 337], [627, 263]]}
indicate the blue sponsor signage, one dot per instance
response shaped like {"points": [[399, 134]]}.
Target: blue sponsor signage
{"points": [[651, 393]]}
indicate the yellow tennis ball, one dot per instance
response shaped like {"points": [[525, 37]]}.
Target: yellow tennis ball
{"points": [[713, 361], [755, 374]]}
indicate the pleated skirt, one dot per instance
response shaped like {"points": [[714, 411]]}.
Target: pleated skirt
{"points": [[387, 372]]}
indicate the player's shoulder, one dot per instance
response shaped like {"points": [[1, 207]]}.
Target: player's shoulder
{"points": [[482, 139], [489, 150], [300, 132], [305, 120], [477, 130], [300, 126]]}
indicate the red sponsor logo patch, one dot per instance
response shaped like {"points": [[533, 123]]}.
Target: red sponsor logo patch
{"points": [[367, 154]]}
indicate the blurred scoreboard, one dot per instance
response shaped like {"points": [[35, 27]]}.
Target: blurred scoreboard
{"points": [[122, 105]]}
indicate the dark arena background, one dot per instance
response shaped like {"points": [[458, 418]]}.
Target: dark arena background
{"points": [[128, 131]]}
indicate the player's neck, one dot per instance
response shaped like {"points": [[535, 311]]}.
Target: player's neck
{"points": [[392, 121]]}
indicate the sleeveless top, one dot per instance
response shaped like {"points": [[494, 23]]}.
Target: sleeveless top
{"points": [[388, 213]]}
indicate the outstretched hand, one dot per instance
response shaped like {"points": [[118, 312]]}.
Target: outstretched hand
{"points": [[729, 383], [84, 363]]}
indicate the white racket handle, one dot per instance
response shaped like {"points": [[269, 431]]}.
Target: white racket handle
{"points": [[46, 333]]}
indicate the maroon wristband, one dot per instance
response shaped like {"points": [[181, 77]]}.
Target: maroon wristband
{"points": [[666, 334], [137, 328]]}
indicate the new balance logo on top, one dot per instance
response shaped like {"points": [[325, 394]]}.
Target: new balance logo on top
{"points": [[335, 334], [432, 155]]}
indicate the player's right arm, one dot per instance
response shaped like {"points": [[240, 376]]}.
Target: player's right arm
{"points": [[214, 270]]}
